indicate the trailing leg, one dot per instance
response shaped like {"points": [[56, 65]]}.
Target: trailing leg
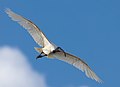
{"points": [[40, 56]]}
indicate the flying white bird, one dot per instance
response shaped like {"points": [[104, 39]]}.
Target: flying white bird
{"points": [[49, 49]]}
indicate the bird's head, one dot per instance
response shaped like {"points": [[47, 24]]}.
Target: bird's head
{"points": [[59, 49]]}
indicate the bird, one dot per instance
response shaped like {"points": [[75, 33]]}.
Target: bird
{"points": [[49, 49]]}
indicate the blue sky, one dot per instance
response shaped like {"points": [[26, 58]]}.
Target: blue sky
{"points": [[89, 29]]}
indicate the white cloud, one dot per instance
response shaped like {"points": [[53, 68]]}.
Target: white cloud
{"points": [[15, 71]]}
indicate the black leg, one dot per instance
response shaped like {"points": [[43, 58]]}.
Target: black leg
{"points": [[42, 52], [40, 56]]}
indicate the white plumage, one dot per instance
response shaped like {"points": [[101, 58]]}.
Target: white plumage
{"points": [[49, 49]]}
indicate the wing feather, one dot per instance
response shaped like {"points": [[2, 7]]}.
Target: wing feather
{"points": [[33, 30], [78, 63]]}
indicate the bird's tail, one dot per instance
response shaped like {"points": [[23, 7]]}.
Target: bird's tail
{"points": [[39, 50]]}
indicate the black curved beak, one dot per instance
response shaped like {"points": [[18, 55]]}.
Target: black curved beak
{"points": [[61, 50]]}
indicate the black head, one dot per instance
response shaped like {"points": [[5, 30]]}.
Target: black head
{"points": [[56, 50], [59, 49]]}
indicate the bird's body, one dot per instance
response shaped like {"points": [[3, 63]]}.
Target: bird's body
{"points": [[49, 49]]}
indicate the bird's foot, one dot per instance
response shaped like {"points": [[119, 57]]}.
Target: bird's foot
{"points": [[40, 56]]}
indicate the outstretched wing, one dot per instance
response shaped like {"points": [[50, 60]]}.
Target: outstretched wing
{"points": [[33, 30], [78, 63]]}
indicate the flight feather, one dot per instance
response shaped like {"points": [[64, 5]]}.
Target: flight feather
{"points": [[33, 30], [78, 63]]}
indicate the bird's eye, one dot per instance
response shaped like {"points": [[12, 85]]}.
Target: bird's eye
{"points": [[54, 51]]}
